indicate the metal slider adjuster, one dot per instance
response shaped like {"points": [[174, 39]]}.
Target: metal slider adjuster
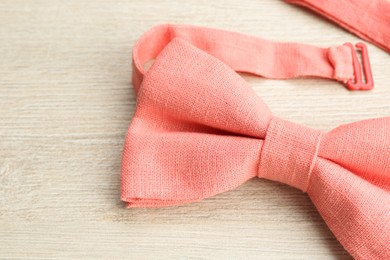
{"points": [[358, 83]]}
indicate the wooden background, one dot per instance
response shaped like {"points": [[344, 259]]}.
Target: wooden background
{"points": [[66, 101]]}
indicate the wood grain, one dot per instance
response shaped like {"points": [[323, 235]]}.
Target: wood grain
{"points": [[66, 101]]}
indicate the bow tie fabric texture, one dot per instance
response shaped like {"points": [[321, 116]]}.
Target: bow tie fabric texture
{"points": [[199, 130]]}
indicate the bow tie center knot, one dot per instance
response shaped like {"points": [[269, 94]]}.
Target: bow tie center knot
{"points": [[289, 153]]}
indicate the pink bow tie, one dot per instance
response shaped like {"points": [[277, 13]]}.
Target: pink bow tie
{"points": [[368, 19], [199, 130]]}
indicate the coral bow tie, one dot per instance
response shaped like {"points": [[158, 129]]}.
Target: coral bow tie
{"points": [[199, 130]]}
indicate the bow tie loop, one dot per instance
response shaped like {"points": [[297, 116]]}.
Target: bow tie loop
{"points": [[289, 153]]}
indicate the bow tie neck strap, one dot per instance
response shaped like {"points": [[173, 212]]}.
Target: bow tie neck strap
{"points": [[368, 19], [249, 54]]}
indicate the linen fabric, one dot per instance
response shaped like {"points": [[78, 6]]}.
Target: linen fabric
{"points": [[200, 130], [368, 19]]}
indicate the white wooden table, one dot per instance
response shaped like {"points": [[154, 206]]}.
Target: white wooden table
{"points": [[66, 100]]}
